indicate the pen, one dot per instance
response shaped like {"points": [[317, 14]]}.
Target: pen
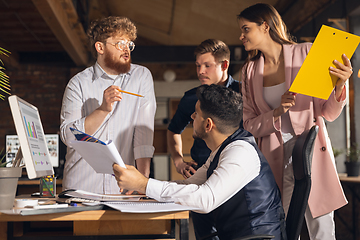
{"points": [[51, 206], [130, 93], [47, 186]]}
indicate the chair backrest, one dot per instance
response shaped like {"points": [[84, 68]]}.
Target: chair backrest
{"points": [[301, 159]]}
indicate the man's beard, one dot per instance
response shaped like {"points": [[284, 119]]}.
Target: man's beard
{"points": [[199, 135], [116, 65]]}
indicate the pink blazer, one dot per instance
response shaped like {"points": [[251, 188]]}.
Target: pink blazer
{"points": [[326, 192]]}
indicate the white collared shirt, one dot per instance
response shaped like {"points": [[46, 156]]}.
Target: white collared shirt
{"points": [[130, 125], [238, 165]]}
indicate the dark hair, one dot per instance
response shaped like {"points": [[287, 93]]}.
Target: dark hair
{"points": [[102, 29], [217, 48], [222, 105], [260, 13]]}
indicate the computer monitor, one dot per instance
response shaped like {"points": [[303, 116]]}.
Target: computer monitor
{"points": [[31, 137], [52, 140]]}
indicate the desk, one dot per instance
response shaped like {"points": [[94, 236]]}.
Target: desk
{"points": [[351, 183], [344, 178], [108, 222]]}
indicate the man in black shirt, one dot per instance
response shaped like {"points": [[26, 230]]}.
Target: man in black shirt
{"points": [[212, 63]]}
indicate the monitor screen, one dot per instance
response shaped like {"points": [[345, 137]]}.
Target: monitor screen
{"points": [[52, 140], [31, 137]]}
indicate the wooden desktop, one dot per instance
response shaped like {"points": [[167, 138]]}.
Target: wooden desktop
{"points": [[104, 223]]}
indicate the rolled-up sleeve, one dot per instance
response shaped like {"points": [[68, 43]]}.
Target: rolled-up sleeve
{"points": [[144, 128], [71, 111]]}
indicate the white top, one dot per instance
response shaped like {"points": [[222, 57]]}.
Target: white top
{"points": [[272, 96], [130, 125], [239, 164]]}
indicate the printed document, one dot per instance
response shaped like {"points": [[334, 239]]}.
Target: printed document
{"points": [[100, 157]]}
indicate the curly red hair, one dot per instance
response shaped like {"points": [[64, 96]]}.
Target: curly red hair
{"points": [[102, 29]]}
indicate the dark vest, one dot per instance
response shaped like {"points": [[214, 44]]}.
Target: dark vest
{"points": [[256, 208]]}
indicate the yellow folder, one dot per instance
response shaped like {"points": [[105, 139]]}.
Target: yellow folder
{"points": [[313, 78]]}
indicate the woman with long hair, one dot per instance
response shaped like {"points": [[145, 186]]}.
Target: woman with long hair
{"points": [[276, 116]]}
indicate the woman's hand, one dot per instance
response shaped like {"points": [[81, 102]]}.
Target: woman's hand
{"points": [[343, 72], [287, 101]]}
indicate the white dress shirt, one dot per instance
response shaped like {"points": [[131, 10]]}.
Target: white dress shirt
{"points": [[238, 164], [130, 125]]}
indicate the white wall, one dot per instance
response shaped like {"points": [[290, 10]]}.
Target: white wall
{"points": [[166, 90], [355, 28]]}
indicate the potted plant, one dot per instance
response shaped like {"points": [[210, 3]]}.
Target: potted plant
{"points": [[8, 175], [4, 79], [337, 152], [352, 162]]}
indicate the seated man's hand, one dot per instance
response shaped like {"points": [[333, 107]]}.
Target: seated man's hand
{"points": [[185, 168], [130, 178]]}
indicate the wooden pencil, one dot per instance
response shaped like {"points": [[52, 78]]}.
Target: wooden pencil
{"points": [[138, 95]]}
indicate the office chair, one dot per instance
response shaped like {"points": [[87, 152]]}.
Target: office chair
{"points": [[301, 159]]}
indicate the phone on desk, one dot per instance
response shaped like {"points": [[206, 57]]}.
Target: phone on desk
{"points": [[63, 193]]}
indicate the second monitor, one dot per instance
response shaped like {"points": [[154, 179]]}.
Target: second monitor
{"points": [[52, 140]]}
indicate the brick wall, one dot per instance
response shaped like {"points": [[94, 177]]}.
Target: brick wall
{"points": [[41, 85]]}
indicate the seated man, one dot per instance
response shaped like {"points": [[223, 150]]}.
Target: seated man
{"points": [[235, 189]]}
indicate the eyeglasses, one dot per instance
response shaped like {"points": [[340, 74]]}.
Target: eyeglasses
{"points": [[122, 45]]}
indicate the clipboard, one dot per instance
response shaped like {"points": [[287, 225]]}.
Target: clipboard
{"points": [[313, 78]]}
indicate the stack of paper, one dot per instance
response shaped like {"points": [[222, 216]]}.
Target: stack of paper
{"points": [[147, 207], [128, 203], [100, 156]]}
